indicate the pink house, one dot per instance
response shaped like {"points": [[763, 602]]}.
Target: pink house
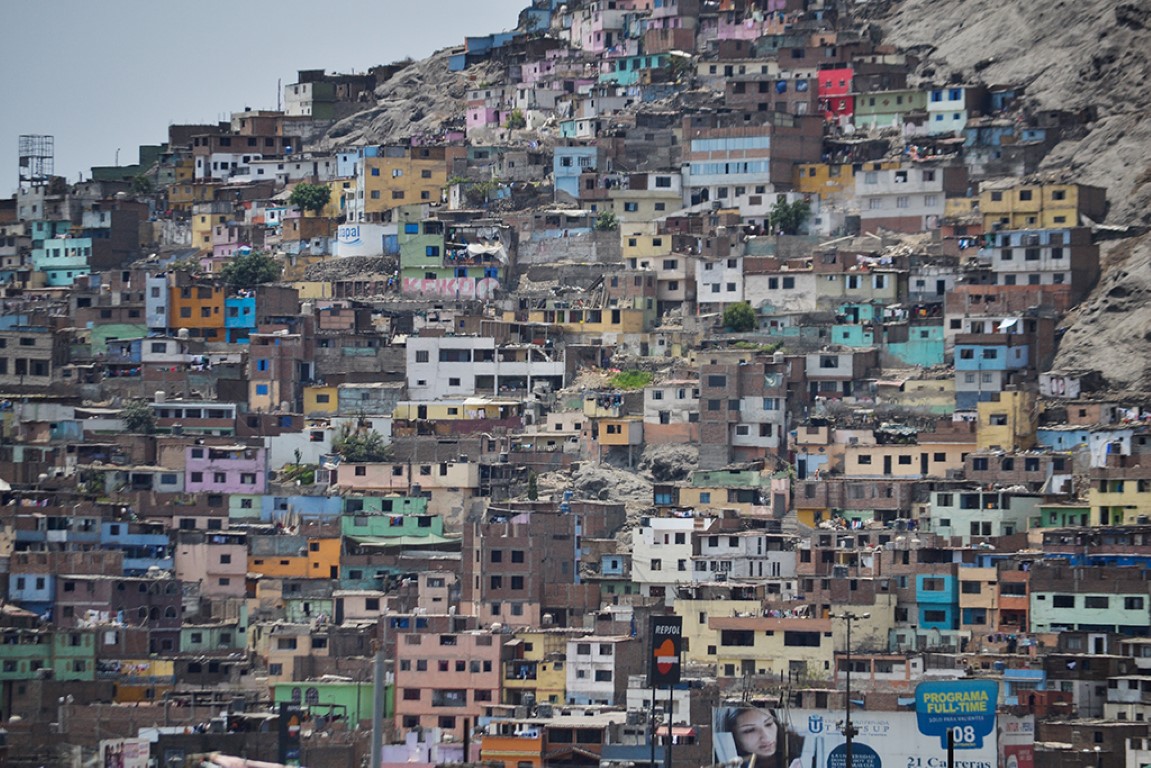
{"points": [[598, 26], [485, 107], [441, 679], [225, 469]]}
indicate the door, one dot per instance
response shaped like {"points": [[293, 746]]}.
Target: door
{"points": [[887, 465], [923, 464]]}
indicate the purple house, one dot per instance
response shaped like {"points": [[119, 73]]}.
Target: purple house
{"points": [[225, 469]]}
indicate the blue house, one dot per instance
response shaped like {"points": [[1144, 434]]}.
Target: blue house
{"points": [[239, 318], [63, 259], [568, 164], [319, 508], [143, 550], [1018, 683], [937, 597], [34, 592]]}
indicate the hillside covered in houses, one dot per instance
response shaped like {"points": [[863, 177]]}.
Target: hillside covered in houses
{"points": [[411, 408]]}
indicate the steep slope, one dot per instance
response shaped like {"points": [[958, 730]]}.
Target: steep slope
{"points": [[1091, 54], [417, 101]]}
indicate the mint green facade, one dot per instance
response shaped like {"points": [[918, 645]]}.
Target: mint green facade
{"points": [[100, 335], [1063, 515], [70, 654], [350, 700]]}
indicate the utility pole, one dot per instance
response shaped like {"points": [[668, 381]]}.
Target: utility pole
{"points": [[379, 686], [849, 730]]}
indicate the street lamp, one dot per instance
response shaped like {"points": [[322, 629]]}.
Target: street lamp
{"points": [[849, 731]]}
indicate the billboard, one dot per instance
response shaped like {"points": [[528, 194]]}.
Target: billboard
{"points": [[762, 737], [1017, 741], [963, 708], [124, 753], [666, 650]]}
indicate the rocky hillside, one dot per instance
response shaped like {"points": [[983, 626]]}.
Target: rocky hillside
{"points": [[418, 100], [1072, 55]]}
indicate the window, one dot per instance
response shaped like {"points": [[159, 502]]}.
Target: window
{"points": [[1063, 601], [1096, 601]]}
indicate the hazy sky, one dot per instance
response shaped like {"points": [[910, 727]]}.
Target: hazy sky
{"points": [[115, 73]]}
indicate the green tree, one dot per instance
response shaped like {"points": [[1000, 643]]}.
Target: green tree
{"points": [[739, 317], [311, 197], [478, 193], [360, 444], [142, 185], [787, 217], [516, 120], [533, 487], [606, 221], [139, 418], [249, 270]]}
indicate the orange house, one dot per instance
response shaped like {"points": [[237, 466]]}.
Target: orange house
{"points": [[324, 558], [279, 566], [200, 309]]}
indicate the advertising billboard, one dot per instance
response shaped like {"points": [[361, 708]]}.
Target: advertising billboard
{"points": [[124, 753], [1017, 741], [761, 737], [666, 651], [965, 709]]}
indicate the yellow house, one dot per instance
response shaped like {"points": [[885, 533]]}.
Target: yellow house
{"points": [[340, 190], [764, 646], [935, 395], [185, 192], [1040, 206], [1119, 501], [824, 179], [637, 209], [701, 641], [204, 220], [540, 667], [593, 321], [311, 289], [402, 176], [924, 459], [321, 400], [456, 410], [144, 680], [716, 497], [830, 180], [641, 247], [626, 430], [1008, 423], [978, 590], [960, 207]]}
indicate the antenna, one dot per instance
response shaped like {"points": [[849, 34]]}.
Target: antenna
{"points": [[279, 91]]}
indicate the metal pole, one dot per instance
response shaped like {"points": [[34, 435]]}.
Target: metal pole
{"points": [[670, 707], [652, 730], [849, 731], [950, 748], [379, 682]]}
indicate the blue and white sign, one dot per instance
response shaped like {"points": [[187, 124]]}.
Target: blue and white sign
{"points": [[964, 708]]}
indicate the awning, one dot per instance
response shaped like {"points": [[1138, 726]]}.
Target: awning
{"points": [[676, 731]]}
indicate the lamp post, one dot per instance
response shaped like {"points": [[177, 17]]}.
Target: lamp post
{"points": [[849, 731]]}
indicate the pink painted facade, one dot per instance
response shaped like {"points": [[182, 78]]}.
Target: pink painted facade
{"points": [[598, 27], [225, 469], [441, 679], [452, 287]]}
